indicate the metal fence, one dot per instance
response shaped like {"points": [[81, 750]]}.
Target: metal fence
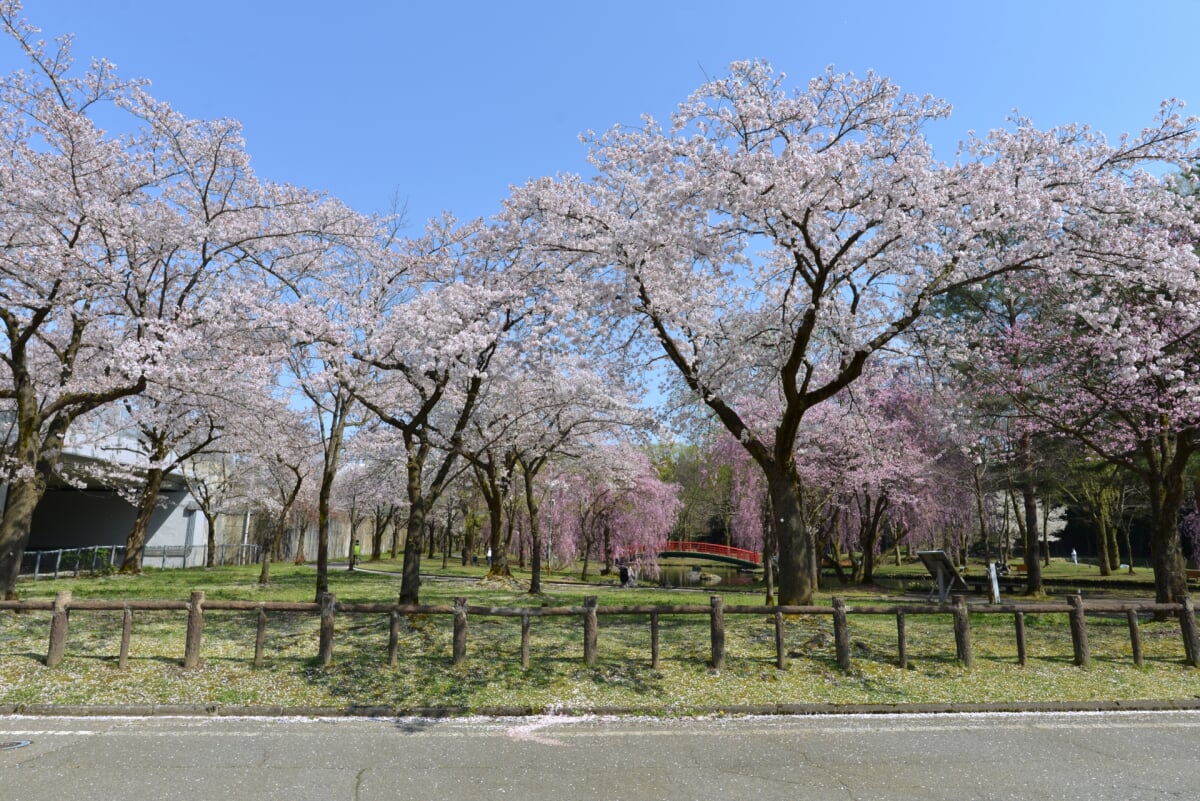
{"points": [[102, 558]]}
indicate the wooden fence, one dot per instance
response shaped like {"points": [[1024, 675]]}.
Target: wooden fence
{"points": [[328, 610]]}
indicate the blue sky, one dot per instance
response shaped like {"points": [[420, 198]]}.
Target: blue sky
{"points": [[446, 104]]}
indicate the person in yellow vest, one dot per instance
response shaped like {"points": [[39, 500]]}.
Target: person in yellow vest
{"points": [[355, 553]]}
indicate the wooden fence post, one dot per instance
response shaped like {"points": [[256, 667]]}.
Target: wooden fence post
{"points": [[589, 630], [260, 636], [126, 634], [1187, 625], [195, 629], [901, 642], [654, 640], [460, 631], [325, 648], [1019, 623], [1135, 637], [716, 628], [58, 628], [841, 633], [962, 632], [1079, 639], [780, 651]]}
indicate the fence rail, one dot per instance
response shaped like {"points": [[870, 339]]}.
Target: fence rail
{"points": [[101, 558], [1075, 610]]}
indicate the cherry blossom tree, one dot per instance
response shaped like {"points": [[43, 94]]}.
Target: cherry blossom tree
{"points": [[613, 504], [180, 416], [568, 411], [431, 313], [1114, 357], [112, 243], [216, 480], [541, 406], [771, 242], [370, 485], [282, 446]]}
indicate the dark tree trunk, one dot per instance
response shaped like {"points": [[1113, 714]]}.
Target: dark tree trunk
{"points": [[607, 550], [1165, 488], [1029, 530], [280, 530], [1112, 548], [535, 536], [210, 522], [323, 532], [768, 552], [379, 526], [135, 543], [496, 543], [870, 521], [410, 576], [797, 581], [15, 528], [1104, 536]]}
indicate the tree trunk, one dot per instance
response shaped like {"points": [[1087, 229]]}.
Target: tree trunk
{"points": [[264, 573], [1112, 547], [1103, 536], [870, 522], [768, 552], [446, 535], [135, 543], [210, 523], [797, 555], [1029, 530], [1165, 493], [1167, 458], [496, 544], [535, 536], [327, 477], [410, 575], [378, 527], [15, 528], [394, 522], [980, 512], [607, 550], [1046, 534], [1033, 561]]}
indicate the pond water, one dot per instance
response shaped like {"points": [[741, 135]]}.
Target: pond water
{"points": [[711, 574]]}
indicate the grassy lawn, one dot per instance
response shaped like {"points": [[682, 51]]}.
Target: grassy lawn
{"points": [[557, 678]]}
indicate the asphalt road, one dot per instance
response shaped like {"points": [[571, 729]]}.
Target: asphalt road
{"points": [[1097, 756]]}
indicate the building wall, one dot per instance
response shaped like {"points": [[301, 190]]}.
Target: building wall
{"points": [[71, 518]]}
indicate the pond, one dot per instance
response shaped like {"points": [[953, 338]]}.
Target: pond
{"points": [[709, 574]]}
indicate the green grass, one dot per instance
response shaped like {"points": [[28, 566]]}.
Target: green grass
{"points": [[557, 678]]}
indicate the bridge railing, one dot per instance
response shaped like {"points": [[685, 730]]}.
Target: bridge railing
{"points": [[714, 550]]}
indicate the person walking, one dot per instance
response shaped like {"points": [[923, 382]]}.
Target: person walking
{"points": [[355, 553]]}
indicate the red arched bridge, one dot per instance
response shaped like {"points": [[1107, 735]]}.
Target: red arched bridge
{"points": [[708, 550]]}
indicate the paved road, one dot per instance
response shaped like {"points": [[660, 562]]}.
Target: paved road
{"points": [[1098, 757]]}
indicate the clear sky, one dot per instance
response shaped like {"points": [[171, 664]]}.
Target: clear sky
{"points": [[446, 104]]}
